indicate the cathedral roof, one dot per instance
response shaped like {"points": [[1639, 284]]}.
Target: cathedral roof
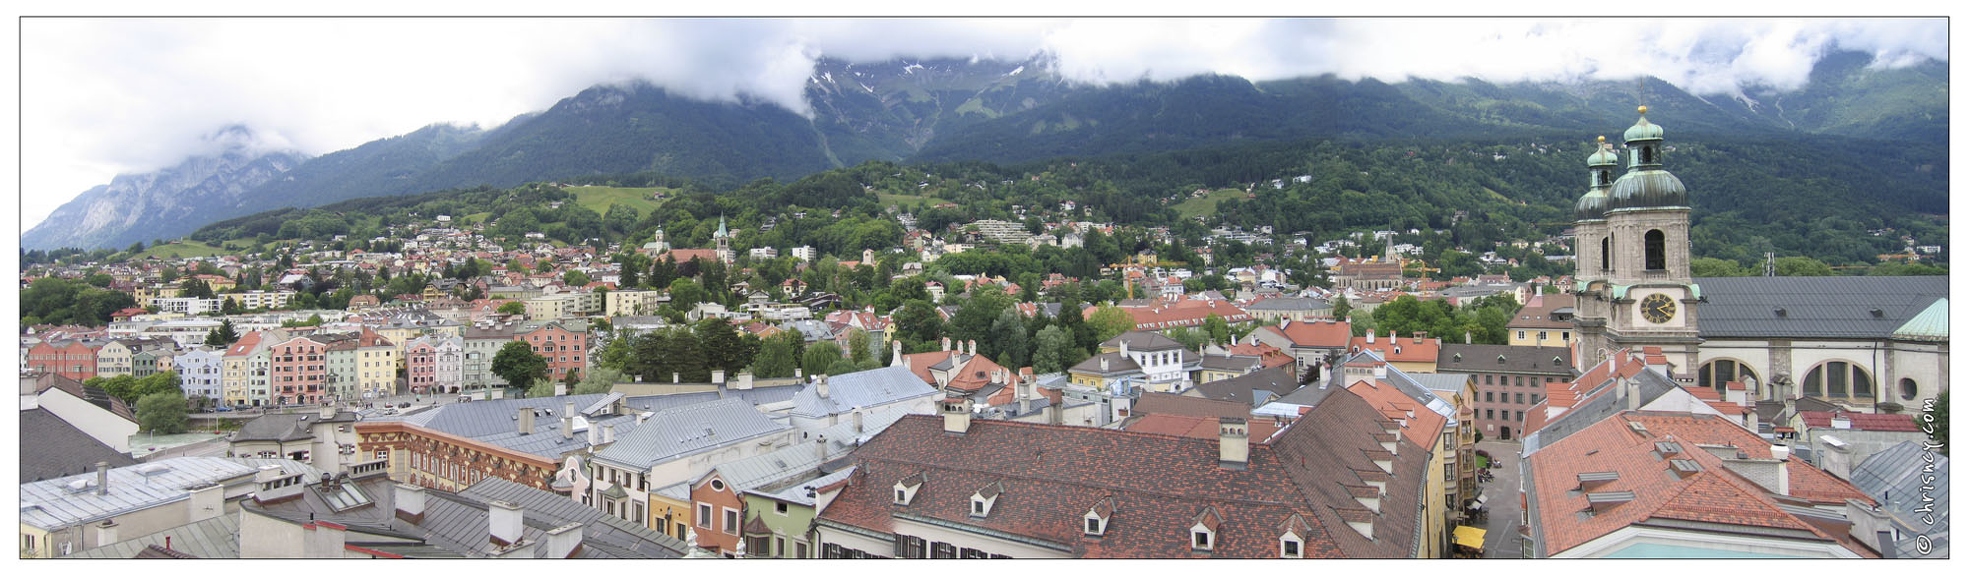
{"points": [[1647, 188]]}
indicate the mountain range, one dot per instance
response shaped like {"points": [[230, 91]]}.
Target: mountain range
{"points": [[973, 110]]}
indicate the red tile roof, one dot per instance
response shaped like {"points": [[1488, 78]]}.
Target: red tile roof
{"points": [[1320, 334], [1713, 494], [1400, 349], [1159, 485], [1259, 429], [1424, 426], [1867, 422]]}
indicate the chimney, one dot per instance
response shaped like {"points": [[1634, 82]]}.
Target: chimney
{"points": [[1104, 363], [102, 478], [594, 435], [608, 434], [567, 421], [797, 375], [410, 503], [1370, 337], [858, 427], [327, 410], [560, 388], [1283, 322], [1466, 336], [562, 542], [106, 532], [506, 521], [1841, 422], [956, 415], [820, 448], [998, 376], [1233, 443], [676, 378], [267, 473], [946, 344], [1416, 335], [820, 383], [207, 502], [526, 421], [895, 354], [744, 381], [1055, 414], [718, 376], [974, 348]]}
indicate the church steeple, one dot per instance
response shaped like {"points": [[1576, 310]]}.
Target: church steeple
{"points": [[723, 238]]}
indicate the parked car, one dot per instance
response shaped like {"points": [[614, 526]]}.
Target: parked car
{"points": [[223, 408]]}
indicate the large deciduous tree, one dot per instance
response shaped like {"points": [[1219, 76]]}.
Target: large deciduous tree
{"points": [[519, 364]]}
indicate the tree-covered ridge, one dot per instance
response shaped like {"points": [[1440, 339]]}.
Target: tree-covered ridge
{"points": [[1829, 198]]}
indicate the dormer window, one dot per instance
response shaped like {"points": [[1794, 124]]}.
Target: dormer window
{"points": [[982, 500], [1203, 533], [1096, 519], [906, 488], [1289, 546]]}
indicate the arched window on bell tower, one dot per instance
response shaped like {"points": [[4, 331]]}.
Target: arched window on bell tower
{"points": [[1604, 177], [1655, 245], [1648, 155], [1606, 254]]}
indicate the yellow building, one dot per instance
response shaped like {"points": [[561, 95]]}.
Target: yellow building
{"points": [[376, 364], [1546, 321]]}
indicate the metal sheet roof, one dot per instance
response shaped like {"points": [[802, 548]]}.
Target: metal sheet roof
{"points": [[1931, 324], [1895, 476], [211, 538], [864, 389], [51, 505], [687, 430], [1814, 307]]}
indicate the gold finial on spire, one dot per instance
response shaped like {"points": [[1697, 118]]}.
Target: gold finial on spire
{"points": [[1644, 110], [1603, 139]]}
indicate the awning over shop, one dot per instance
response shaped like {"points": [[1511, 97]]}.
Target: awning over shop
{"points": [[1470, 536]]}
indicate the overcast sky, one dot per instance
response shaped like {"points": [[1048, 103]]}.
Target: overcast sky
{"points": [[101, 97]]}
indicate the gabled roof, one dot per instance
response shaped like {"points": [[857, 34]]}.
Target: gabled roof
{"points": [[90, 394], [864, 389], [1814, 307], [53, 448], [1254, 389]]}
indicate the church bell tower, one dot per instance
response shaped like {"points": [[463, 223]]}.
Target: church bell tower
{"points": [[1634, 287]]}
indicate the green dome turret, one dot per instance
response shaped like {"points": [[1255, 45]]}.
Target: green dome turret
{"points": [[1642, 129], [1603, 155], [1592, 206], [1646, 184]]}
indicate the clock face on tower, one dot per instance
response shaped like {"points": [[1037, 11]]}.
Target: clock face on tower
{"points": [[1657, 308]]}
